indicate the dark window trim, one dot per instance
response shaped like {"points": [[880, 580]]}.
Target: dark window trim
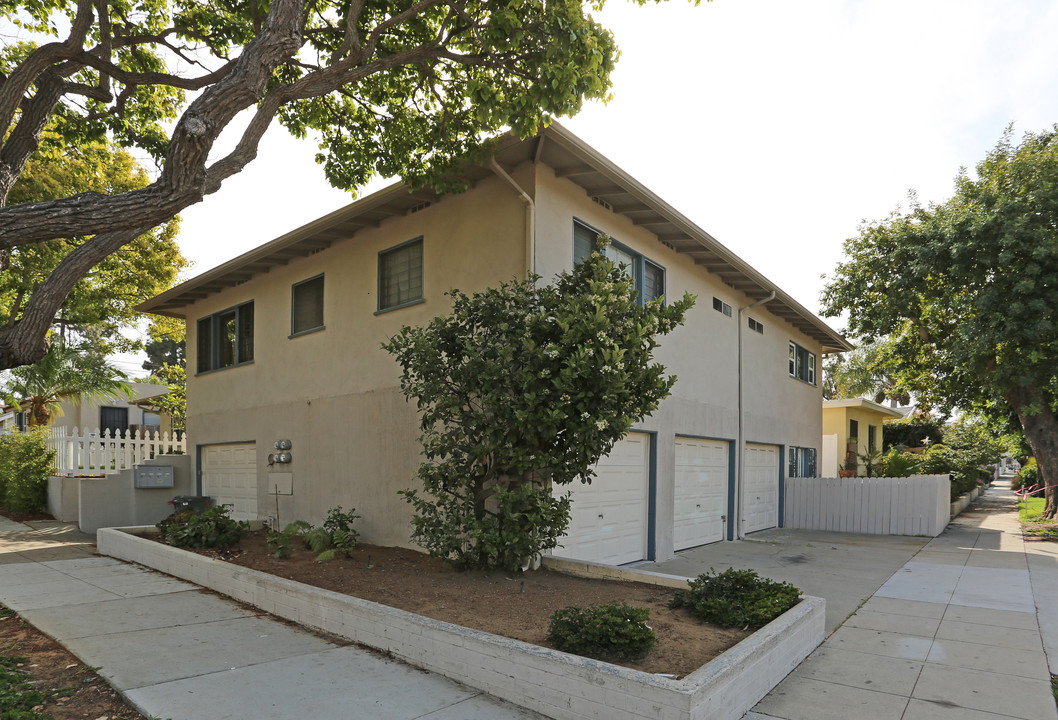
{"points": [[724, 309], [215, 346], [306, 331], [638, 258], [756, 326], [378, 279]]}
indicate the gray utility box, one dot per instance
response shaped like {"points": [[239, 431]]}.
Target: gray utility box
{"points": [[153, 476]]}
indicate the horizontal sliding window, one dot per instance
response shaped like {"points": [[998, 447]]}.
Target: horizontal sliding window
{"points": [[648, 277]]}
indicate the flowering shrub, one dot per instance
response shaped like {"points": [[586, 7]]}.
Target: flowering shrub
{"points": [[523, 387]]}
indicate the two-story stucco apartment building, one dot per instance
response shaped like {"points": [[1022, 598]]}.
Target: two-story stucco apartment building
{"points": [[283, 345]]}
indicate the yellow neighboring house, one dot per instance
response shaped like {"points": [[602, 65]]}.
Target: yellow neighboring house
{"points": [[853, 425]]}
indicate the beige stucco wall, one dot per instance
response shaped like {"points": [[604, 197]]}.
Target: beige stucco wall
{"points": [[335, 394]]}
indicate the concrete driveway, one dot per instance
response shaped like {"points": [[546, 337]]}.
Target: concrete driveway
{"points": [[843, 568]]}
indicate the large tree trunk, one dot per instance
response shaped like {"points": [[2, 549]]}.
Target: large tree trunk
{"points": [[1041, 431]]}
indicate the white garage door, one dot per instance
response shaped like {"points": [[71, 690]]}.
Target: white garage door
{"points": [[700, 504], [608, 520], [761, 495], [229, 476]]}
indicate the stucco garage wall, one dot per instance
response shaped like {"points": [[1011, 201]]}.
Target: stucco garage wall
{"points": [[779, 410]]}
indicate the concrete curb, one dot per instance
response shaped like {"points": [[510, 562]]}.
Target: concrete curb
{"points": [[556, 684]]}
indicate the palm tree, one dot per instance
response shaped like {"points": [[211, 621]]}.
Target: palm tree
{"points": [[64, 372]]}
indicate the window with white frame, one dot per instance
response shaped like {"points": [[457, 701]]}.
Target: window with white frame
{"points": [[802, 363], [802, 462], [647, 276], [721, 307], [400, 275]]}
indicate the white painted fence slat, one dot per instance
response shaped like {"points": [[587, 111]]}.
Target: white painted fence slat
{"points": [[88, 451], [878, 506]]}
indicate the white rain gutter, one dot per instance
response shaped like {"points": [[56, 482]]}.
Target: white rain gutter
{"points": [[530, 225], [741, 473]]}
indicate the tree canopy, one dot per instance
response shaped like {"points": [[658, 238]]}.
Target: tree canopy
{"points": [[966, 291], [400, 87], [105, 298]]}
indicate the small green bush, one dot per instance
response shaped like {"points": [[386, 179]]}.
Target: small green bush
{"points": [[282, 543], [607, 632], [336, 536], [900, 464], [736, 598], [25, 464], [211, 529], [1028, 478]]}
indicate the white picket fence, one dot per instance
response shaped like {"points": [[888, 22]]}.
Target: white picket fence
{"points": [[83, 451], [916, 505]]}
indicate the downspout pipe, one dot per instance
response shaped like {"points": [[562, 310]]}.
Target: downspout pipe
{"points": [[530, 226], [741, 474]]}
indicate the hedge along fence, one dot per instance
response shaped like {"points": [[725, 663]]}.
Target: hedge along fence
{"points": [[25, 464], [916, 505]]}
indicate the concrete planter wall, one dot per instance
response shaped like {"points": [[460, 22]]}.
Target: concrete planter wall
{"points": [[964, 501], [556, 684]]}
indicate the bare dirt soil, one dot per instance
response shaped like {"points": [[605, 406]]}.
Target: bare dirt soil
{"points": [[515, 605], [73, 691]]}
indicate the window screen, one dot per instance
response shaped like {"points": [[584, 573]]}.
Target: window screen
{"points": [[306, 299], [400, 275]]}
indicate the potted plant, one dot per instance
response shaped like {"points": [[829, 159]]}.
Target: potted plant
{"points": [[851, 466]]}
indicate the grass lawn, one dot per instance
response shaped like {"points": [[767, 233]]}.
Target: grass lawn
{"points": [[1034, 527]]}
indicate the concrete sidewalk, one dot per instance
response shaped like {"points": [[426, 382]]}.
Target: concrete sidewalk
{"points": [[178, 652], [953, 634]]}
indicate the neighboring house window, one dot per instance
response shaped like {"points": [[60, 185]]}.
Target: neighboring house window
{"points": [[225, 339], [113, 419], [871, 430], [802, 462], [306, 306], [756, 327], [854, 429], [152, 419], [648, 277], [400, 275], [802, 363], [721, 306]]}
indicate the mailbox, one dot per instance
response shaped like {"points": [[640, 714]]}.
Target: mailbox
{"points": [[153, 476]]}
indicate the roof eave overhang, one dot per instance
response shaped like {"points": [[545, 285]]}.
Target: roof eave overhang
{"points": [[570, 158]]}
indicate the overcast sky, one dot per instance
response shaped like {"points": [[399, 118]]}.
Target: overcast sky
{"points": [[775, 125]]}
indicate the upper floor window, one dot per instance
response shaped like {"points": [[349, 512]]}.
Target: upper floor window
{"points": [[802, 462], [802, 363], [400, 275], [756, 326], [306, 306], [721, 307], [225, 339], [648, 277]]}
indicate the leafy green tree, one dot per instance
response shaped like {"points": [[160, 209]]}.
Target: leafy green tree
{"points": [[968, 444], [401, 87], [965, 290], [521, 388], [166, 344], [65, 372], [175, 402], [105, 298], [864, 372]]}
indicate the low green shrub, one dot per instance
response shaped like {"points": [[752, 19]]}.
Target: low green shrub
{"points": [[336, 536], [25, 464], [901, 464], [736, 598], [607, 632], [1028, 478], [213, 528]]}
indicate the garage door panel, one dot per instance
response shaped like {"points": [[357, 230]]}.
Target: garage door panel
{"points": [[229, 476], [761, 494], [608, 519], [700, 501]]}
